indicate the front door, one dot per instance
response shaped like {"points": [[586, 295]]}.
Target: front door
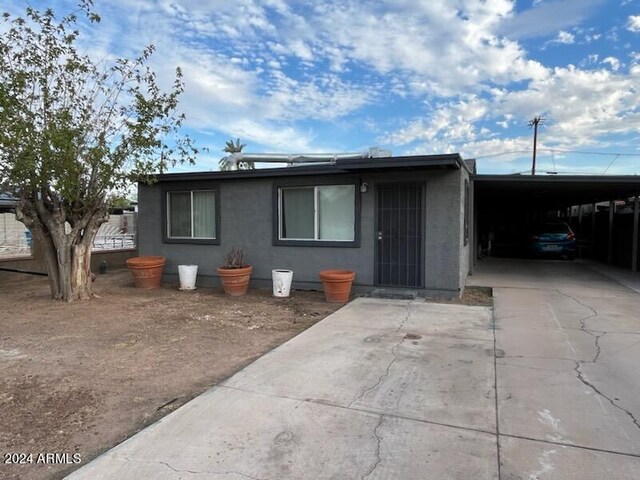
{"points": [[399, 224]]}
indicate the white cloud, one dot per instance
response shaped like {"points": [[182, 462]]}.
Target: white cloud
{"points": [[449, 76], [633, 24], [547, 18], [580, 107], [591, 37], [591, 59], [450, 123], [565, 37], [613, 62]]}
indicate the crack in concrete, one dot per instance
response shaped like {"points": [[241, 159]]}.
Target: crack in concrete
{"points": [[194, 472], [583, 324], [542, 357], [586, 382], [597, 335], [365, 410], [389, 365], [569, 445], [599, 349], [406, 318], [505, 364], [378, 446], [382, 377]]}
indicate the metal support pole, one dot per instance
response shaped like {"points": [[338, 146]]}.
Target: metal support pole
{"points": [[634, 245], [593, 231], [473, 250], [612, 207], [580, 218]]}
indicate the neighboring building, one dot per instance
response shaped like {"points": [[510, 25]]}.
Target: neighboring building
{"points": [[7, 202], [397, 222]]}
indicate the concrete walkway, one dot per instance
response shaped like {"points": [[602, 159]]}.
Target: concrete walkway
{"points": [[380, 389], [567, 369]]}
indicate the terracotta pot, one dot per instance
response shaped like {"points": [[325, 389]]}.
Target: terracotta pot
{"points": [[337, 285], [147, 271], [235, 281]]}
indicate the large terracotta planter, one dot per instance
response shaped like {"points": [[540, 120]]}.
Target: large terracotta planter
{"points": [[147, 271], [337, 285], [235, 281]]}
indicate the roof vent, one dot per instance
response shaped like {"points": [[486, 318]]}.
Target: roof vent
{"points": [[292, 159]]}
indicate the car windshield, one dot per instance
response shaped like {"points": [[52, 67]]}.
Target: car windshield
{"points": [[553, 228]]}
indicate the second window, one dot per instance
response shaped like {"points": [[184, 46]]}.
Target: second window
{"points": [[317, 213]]}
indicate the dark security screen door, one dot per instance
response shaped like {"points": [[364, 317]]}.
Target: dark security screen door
{"points": [[399, 236]]}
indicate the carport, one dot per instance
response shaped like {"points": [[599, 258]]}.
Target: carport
{"points": [[602, 210]]}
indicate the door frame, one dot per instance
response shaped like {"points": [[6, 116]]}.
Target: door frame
{"points": [[423, 207]]}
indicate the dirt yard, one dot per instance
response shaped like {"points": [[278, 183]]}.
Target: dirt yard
{"points": [[77, 379], [474, 296]]}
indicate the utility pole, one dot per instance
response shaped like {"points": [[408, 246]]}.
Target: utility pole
{"points": [[534, 123]]}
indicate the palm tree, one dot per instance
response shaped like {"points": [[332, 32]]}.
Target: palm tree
{"points": [[232, 147]]}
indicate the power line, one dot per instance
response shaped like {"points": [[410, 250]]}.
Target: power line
{"points": [[592, 153], [502, 153], [559, 150], [612, 162]]}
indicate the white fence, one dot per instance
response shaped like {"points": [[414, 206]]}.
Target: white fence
{"points": [[118, 233], [13, 237]]}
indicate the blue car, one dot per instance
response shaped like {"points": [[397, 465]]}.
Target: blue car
{"points": [[554, 239]]}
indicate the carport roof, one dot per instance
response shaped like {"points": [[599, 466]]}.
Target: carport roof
{"points": [[555, 191]]}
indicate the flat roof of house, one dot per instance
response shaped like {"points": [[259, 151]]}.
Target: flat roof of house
{"points": [[555, 190], [340, 166]]}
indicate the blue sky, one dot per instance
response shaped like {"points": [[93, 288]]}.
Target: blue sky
{"points": [[411, 76]]}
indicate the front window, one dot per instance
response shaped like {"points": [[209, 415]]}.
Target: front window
{"points": [[191, 215], [317, 213]]}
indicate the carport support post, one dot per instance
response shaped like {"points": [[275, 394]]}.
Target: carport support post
{"points": [[612, 206], [634, 244], [593, 231], [580, 218]]}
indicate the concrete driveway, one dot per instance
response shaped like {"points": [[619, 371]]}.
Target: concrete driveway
{"points": [[567, 370], [407, 390]]}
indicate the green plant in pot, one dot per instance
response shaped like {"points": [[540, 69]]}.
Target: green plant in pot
{"points": [[235, 273]]}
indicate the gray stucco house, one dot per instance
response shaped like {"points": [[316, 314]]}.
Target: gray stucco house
{"points": [[397, 222]]}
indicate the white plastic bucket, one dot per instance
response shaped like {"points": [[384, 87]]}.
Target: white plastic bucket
{"points": [[187, 274], [281, 282]]}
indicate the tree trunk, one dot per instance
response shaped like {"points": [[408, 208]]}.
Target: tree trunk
{"points": [[67, 256], [43, 239], [74, 261]]}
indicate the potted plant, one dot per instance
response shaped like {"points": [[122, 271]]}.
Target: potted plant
{"points": [[337, 285], [146, 271], [235, 274]]}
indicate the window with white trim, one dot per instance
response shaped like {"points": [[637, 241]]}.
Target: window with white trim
{"points": [[317, 213], [191, 214]]}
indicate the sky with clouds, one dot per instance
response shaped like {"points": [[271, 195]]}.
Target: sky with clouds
{"points": [[411, 76]]}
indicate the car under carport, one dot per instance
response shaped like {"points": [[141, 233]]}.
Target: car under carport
{"points": [[505, 206]]}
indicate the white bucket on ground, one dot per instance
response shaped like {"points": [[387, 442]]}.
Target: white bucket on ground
{"points": [[187, 274], [281, 282]]}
